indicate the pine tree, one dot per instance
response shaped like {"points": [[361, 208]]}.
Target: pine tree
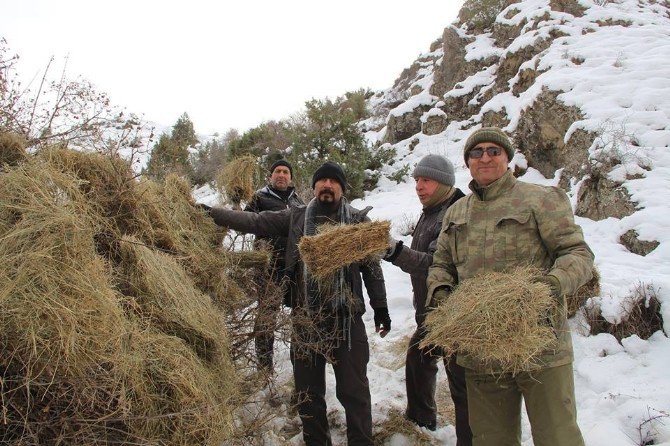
{"points": [[170, 153]]}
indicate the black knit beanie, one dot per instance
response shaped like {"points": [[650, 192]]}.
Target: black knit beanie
{"points": [[330, 170], [489, 134], [281, 163]]}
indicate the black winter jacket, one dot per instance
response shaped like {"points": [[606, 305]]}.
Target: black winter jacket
{"points": [[265, 199], [416, 259]]}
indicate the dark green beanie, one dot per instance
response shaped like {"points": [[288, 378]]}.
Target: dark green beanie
{"points": [[489, 134]]}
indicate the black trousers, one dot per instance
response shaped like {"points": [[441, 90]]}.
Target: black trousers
{"points": [[420, 381], [351, 387]]}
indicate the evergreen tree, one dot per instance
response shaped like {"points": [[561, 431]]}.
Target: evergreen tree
{"points": [[170, 153], [328, 130]]}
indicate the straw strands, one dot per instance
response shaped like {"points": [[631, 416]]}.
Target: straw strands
{"points": [[499, 319], [336, 246], [111, 298], [237, 179]]}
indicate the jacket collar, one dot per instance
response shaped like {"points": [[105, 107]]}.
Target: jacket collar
{"points": [[269, 191], [494, 190]]}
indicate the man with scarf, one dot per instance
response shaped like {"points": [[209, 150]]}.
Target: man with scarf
{"points": [[434, 177], [328, 323]]}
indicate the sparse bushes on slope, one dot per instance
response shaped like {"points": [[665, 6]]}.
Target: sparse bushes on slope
{"points": [[641, 315]]}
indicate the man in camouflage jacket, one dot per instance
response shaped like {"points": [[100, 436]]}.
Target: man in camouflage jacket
{"points": [[506, 223]]}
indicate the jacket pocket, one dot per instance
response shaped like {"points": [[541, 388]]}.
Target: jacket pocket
{"points": [[457, 236], [516, 237]]}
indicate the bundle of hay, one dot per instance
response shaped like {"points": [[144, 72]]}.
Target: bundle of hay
{"points": [[585, 292], [336, 246], [501, 319], [237, 179], [257, 259], [108, 338]]}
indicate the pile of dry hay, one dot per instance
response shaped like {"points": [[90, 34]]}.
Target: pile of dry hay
{"points": [[237, 179], [498, 318], [336, 246], [112, 308]]}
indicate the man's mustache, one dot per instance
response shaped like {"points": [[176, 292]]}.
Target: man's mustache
{"points": [[327, 191]]}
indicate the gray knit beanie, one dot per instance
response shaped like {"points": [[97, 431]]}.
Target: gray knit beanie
{"points": [[489, 134], [436, 168]]}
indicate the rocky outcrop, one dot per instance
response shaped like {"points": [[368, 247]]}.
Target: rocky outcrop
{"points": [[453, 67], [568, 6], [600, 198], [403, 126], [436, 122], [541, 132], [632, 242]]}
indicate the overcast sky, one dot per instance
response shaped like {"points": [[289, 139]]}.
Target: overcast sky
{"points": [[227, 64]]}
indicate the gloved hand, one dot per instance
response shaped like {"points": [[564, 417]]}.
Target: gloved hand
{"points": [[395, 246], [552, 282], [382, 321]]}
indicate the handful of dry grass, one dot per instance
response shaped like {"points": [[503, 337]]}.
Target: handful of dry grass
{"points": [[237, 178], [499, 319], [339, 245]]}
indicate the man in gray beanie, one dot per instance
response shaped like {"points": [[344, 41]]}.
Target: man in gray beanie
{"points": [[434, 177]]}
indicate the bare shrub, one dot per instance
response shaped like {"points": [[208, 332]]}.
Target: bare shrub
{"points": [[407, 224], [641, 315], [67, 111]]}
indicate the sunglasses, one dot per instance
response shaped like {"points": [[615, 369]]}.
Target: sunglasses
{"points": [[478, 152]]}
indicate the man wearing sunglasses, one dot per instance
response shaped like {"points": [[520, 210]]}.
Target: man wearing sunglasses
{"points": [[506, 223]]}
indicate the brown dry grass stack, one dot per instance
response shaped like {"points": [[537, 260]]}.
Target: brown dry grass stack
{"points": [[585, 292], [62, 323], [237, 179], [12, 149], [497, 318], [336, 246], [102, 347], [163, 216]]}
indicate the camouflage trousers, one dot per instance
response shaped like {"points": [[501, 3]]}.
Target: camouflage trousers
{"points": [[494, 403]]}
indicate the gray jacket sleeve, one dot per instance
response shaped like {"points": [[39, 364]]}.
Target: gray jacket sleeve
{"points": [[265, 224], [415, 263]]}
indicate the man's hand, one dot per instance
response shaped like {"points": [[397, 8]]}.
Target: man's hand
{"points": [[552, 282], [393, 249], [382, 321]]}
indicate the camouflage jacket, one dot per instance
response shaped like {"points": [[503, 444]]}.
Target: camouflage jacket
{"points": [[507, 224]]}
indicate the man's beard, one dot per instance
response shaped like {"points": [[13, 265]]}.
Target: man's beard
{"points": [[326, 199]]}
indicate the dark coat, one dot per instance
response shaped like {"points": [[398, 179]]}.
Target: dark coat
{"points": [[290, 223], [416, 259], [265, 199]]}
